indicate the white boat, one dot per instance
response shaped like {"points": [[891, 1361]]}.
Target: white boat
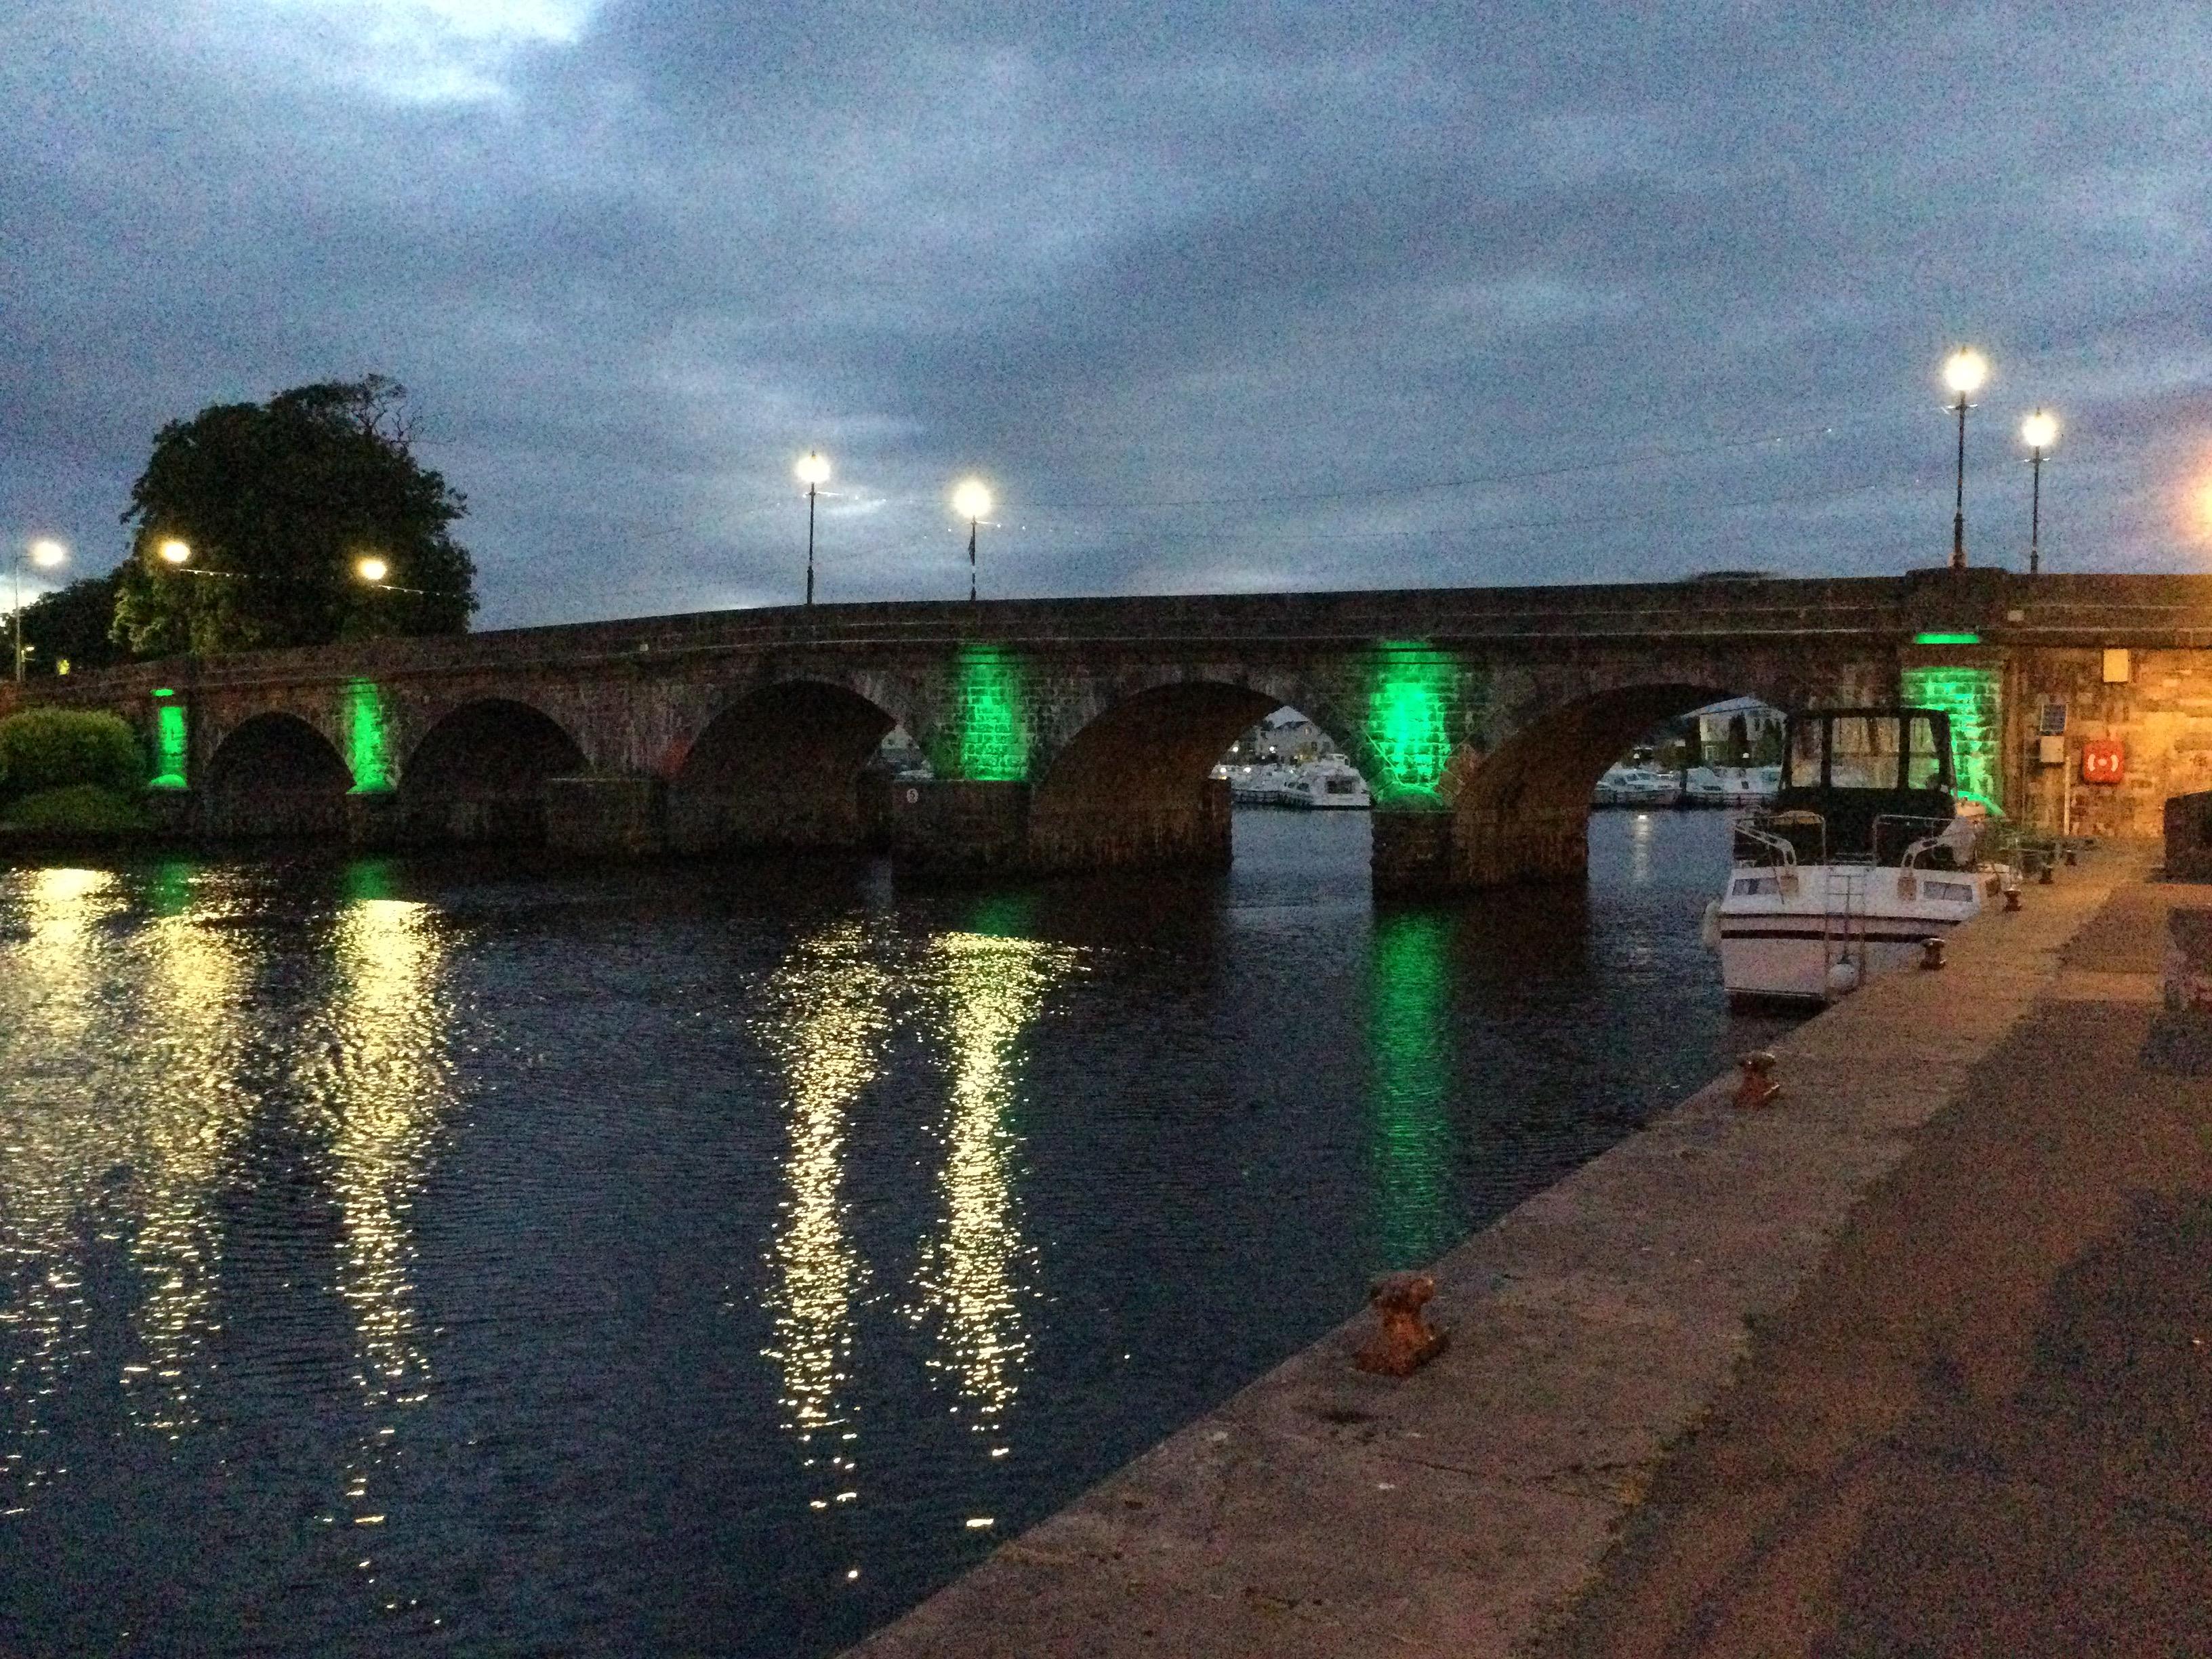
{"points": [[1866, 858], [1262, 784], [1327, 783], [1624, 785], [1728, 785]]}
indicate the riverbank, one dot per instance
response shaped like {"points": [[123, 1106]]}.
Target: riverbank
{"points": [[1324, 1512]]}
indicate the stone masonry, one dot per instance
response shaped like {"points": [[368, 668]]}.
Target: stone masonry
{"points": [[1077, 734]]}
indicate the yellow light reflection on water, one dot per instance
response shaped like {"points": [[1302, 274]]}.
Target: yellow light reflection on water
{"points": [[970, 1283], [186, 1134], [823, 1017], [384, 1098], [54, 1144]]}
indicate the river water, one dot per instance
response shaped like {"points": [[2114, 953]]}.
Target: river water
{"points": [[448, 1255]]}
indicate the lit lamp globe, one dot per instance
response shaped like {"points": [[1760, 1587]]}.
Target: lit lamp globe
{"points": [[173, 552], [972, 499], [2039, 430], [813, 470], [46, 553], [1965, 370], [372, 568]]}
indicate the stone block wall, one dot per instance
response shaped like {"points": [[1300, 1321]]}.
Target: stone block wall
{"points": [[2162, 714]]}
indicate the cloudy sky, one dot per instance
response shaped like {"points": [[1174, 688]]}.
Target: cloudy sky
{"points": [[1218, 298]]}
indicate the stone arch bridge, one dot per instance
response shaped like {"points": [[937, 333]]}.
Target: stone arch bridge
{"points": [[1079, 733]]}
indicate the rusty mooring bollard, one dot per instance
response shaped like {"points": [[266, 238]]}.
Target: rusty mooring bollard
{"points": [[1931, 949], [2012, 895], [1405, 1342], [1759, 1088]]}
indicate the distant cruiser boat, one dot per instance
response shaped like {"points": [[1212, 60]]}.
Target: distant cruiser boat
{"points": [[1263, 783], [1868, 852], [1327, 783], [1624, 785]]}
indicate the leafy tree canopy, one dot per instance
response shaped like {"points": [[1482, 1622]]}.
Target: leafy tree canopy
{"points": [[279, 502], [72, 626]]}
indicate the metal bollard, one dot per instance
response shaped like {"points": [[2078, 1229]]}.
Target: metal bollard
{"points": [[1406, 1341], [2043, 876], [1931, 948], [1758, 1087]]}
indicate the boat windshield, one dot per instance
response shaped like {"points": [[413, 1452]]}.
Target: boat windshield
{"points": [[1923, 756], [1863, 752]]}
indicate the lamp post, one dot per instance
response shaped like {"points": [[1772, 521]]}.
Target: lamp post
{"points": [[813, 472], [1963, 371], [175, 552], [2038, 432], [971, 501], [45, 553]]}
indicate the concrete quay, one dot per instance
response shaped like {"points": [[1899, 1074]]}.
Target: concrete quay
{"points": [[1741, 1385]]}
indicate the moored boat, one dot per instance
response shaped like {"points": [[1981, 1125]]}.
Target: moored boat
{"points": [[1865, 857]]}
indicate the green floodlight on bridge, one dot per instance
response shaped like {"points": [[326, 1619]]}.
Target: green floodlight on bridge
{"points": [[1947, 639]]}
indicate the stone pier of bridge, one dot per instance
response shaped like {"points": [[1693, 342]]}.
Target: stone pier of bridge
{"points": [[1074, 735]]}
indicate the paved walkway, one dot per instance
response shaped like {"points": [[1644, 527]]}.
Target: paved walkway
{"points": [[1985, 1426], [2029, 1241]]}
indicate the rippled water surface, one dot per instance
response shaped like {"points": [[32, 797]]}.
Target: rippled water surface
{"points": [[412, 1255]]}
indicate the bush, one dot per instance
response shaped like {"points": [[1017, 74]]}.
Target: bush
{"points": [[75, 808], [54, 748]]}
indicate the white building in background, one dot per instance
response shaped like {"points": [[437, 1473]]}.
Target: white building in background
{"points": [[1742, 731]]}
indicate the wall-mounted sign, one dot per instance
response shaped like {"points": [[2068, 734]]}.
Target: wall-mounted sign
{"points": [[2053, 723], [2104, 760]]}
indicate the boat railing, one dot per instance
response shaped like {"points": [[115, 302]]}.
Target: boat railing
{"points": [[1777, 848], [1793, 837]]}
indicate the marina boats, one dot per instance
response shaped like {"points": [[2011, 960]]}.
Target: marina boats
{"points": [[1867, 852], [1326, 784], [1329, 781], [1624, 785]]}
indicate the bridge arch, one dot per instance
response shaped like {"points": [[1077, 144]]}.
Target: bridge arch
{"points": [[275, 774], [479, 773], [780, 765], [1521, 812], [1131, 786]]}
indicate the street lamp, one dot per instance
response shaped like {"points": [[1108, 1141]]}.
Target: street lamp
{"points": [[371, 569], [2038, 432], [45, 553], [1963, 371], [971, 501], [813, 472], [173, 552]]}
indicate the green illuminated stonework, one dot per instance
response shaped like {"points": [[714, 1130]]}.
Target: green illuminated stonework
{"points": [[1413, 694], [368, 753], [1970, 698], [987, 737], [1409, 1049], [172, 745]]}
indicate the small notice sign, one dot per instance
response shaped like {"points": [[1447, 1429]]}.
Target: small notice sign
{"points": [[2104, 760], [2054, 719]]}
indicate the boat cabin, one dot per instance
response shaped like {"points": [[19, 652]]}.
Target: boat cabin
{"points": [[1860, 785]]}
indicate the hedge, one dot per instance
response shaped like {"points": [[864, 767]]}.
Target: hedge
{"points": [[54, 748], [83, 809]]}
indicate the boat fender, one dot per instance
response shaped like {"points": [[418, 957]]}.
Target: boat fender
{"points": [[1843, 978], [1709, 930]]}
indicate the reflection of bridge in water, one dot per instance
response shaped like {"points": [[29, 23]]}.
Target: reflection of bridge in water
{"points": [[1079, 733]]}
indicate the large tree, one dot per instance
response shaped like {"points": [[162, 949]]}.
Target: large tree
{"points": [[279, 502], [72, 625]]}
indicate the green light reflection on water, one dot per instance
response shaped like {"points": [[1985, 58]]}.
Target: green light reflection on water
{"points": [[1409, 982]]}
